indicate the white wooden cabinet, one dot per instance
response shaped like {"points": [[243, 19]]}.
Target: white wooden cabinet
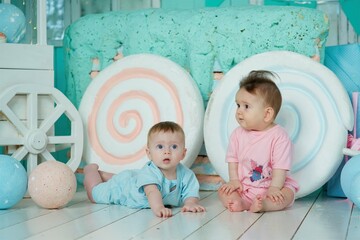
{"points": [[25, 64], [30, 105]]}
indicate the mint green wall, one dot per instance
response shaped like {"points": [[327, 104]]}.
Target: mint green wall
{"points": [[191, 4], [351, 9], [62, 126], [213, 3], [60, 82], [237, 3], [182, 4], [310, 4]]}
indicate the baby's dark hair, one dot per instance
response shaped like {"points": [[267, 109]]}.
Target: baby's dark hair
{"points": [[260, 83], [166, 126]]}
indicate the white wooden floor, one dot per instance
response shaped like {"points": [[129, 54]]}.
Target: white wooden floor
{"points": [[313, 217]]}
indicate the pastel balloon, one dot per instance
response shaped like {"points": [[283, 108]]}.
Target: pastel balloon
{"points": [[355, 190], [13, 23], [348, 174], [13, 181]]}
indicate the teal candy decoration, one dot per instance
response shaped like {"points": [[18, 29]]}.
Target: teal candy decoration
{"points": [[12, 23], [350, 173], [344, 60], [213, 3], [351, 9], [13, 183]]}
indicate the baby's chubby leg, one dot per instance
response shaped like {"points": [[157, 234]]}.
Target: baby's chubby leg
{"points": [[105, 176], [92, 178]]}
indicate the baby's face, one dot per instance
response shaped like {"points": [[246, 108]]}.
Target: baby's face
{"points": [[166, 150], [250, 110]]}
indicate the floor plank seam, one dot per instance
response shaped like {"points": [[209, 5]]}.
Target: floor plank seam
{"points": [[308, 211]]}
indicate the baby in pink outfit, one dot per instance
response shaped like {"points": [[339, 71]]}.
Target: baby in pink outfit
{"points": [[259, 154]]}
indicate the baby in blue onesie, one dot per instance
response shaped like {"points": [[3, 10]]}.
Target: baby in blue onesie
{"points": [[162, 181]]}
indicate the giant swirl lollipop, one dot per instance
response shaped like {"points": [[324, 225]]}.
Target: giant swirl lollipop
{"points": [[126, 99], [316, 112]]}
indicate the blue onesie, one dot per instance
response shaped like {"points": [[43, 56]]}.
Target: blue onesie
{"points": [[127, 187]]}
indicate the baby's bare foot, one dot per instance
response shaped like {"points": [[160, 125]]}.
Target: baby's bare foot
{"points": [[236, 206], [257, 204]]}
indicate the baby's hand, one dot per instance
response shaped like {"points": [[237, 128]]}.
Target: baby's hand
{"points": [[231, 186], [192, 207], [163, 212], [275, 195]]}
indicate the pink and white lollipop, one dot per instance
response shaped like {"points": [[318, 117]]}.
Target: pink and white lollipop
{"points": [[125, 99]]}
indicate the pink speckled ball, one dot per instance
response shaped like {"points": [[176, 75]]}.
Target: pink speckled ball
{"points": [[52, 184]]}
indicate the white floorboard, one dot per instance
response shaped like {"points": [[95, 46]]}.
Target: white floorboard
{"points": [[327, 219], [225, 225], [354, 226], [313, 217], [282, 224]]}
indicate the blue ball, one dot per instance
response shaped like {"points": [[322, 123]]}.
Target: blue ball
{"points": [[355, 190], [348, 174], [13, 182], [12, 23]]}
